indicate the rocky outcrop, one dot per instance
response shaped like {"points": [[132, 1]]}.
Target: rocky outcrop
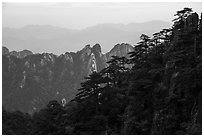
{"points": [[5, 51], [31, 80], [20, 54], [119, 50]]}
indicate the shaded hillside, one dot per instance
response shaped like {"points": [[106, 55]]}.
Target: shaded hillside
{"points": [[30, 81], [160, 94]]}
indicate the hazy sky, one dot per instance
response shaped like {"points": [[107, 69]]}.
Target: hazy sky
{"points": [[81, 15]]}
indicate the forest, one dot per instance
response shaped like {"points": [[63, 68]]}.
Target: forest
{"points": [[157, 91]]}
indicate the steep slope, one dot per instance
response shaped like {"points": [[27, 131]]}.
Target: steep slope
{"points": [[5, 50], [29, 82], [119, 50]]}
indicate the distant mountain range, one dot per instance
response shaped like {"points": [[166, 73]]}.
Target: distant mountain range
{"points": [[30, 80], [58, 40]]}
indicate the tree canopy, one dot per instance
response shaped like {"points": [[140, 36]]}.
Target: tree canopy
{"points": [[157, 91]]}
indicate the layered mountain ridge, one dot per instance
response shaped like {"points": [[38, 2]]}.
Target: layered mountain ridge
{"points": [[30, 80], [45, 37]]}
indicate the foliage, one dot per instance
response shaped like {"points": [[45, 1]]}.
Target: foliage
{"points": [[156, 91]]}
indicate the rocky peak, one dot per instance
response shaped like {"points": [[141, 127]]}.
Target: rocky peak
{"points": [[124, 47], [67, 56], [120, 50], [48, 58], [87, 49], [20, 54], [96, 48], [40, 77], [5, 51]]}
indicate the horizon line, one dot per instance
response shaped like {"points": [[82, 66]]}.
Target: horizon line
{"points": [[105, 23]]}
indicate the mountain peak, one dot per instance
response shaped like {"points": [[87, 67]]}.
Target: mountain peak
{"points": [[50, 75], [87, 47], [122, 46], [120, 50], [18, 54], [5, 50], [96, 48]]}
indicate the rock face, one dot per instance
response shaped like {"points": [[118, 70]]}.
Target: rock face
{"points": [[119, 50], [5, 50], [20, 54], [29, 80]]}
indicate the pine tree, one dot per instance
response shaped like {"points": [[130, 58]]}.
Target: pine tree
{"points": [[90, 89]]}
